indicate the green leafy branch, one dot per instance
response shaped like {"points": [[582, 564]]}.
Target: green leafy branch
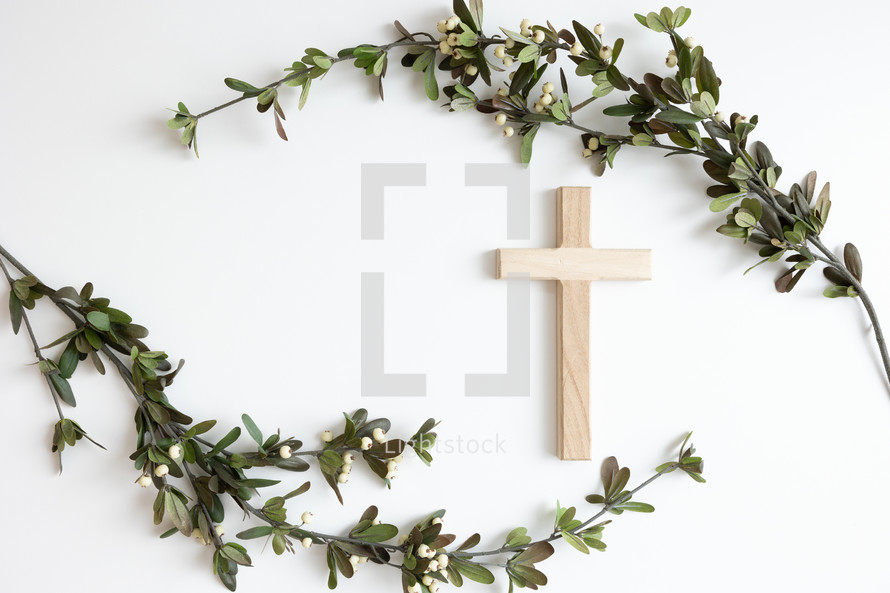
{"points": [[168, 443], [677, 114], [426, 561]]}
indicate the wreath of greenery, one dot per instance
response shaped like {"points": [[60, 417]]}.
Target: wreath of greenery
{"points": [[677, 115]]}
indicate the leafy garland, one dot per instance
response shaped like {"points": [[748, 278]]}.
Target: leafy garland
{"points": [[170, 445], [676, 114]]}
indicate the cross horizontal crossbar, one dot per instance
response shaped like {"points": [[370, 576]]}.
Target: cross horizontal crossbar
{"points": [[576, 263]]}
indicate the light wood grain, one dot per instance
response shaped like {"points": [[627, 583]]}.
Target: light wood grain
{"points": [[569, 263], [574, 264]]}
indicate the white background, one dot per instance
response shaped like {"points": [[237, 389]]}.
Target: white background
{"points": [[247, 263]]}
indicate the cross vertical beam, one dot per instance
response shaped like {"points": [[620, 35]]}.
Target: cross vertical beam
{"points": [[574, 264]]}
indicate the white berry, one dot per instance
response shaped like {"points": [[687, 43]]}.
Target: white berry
{"points": [[472, 70], [437, 521], [719, 117], [442, 559], [415, 588], [162, 470], [539, 36], [367, 443], [307, 517], [593, 143], [454, 39], [509, 43], [503, 91], [599, 29], [434, 587], [500, 119], [144, 481], [605, 52], [452, 23], [539, 108], [577, 48], [508, 61], [327, 436], [587, 153], [546, 99], [423, 550], [671, 60], [175, 452], [392, 466], [220, 530], [379, 435], [427, 580], [390, 475], [548, 87], [508, 131], [285, 452], [499, 52], [441, 26], [444, 47], [690, 42], [343, 477], [348, 458], [307, 542]]}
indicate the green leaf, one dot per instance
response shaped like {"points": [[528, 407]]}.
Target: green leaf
{"points": [[63, 389], [733, 230], [432, 87], [575, 541], [527, 141], [628, 109], [15, 312], [477, 12], [831, 292], [378, 533], [473, 571], [707, 80], [227, 440], [681, 15], [637, 507], [529, 53], [200, 428], [677, 116], [255, 532], [257, 483], [242, 87], [178, 513], [99, 320], [534, 554], [653, 22], [236, 553], [252, 429], [642, 139]]}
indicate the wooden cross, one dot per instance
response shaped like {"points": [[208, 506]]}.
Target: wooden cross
{"points": [[574, 264]]}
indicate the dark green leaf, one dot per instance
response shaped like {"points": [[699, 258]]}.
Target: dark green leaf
{"points": [[227, 440], [255, 532], [63, 389], [677, 116], [15, 312], [252, 429]]}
